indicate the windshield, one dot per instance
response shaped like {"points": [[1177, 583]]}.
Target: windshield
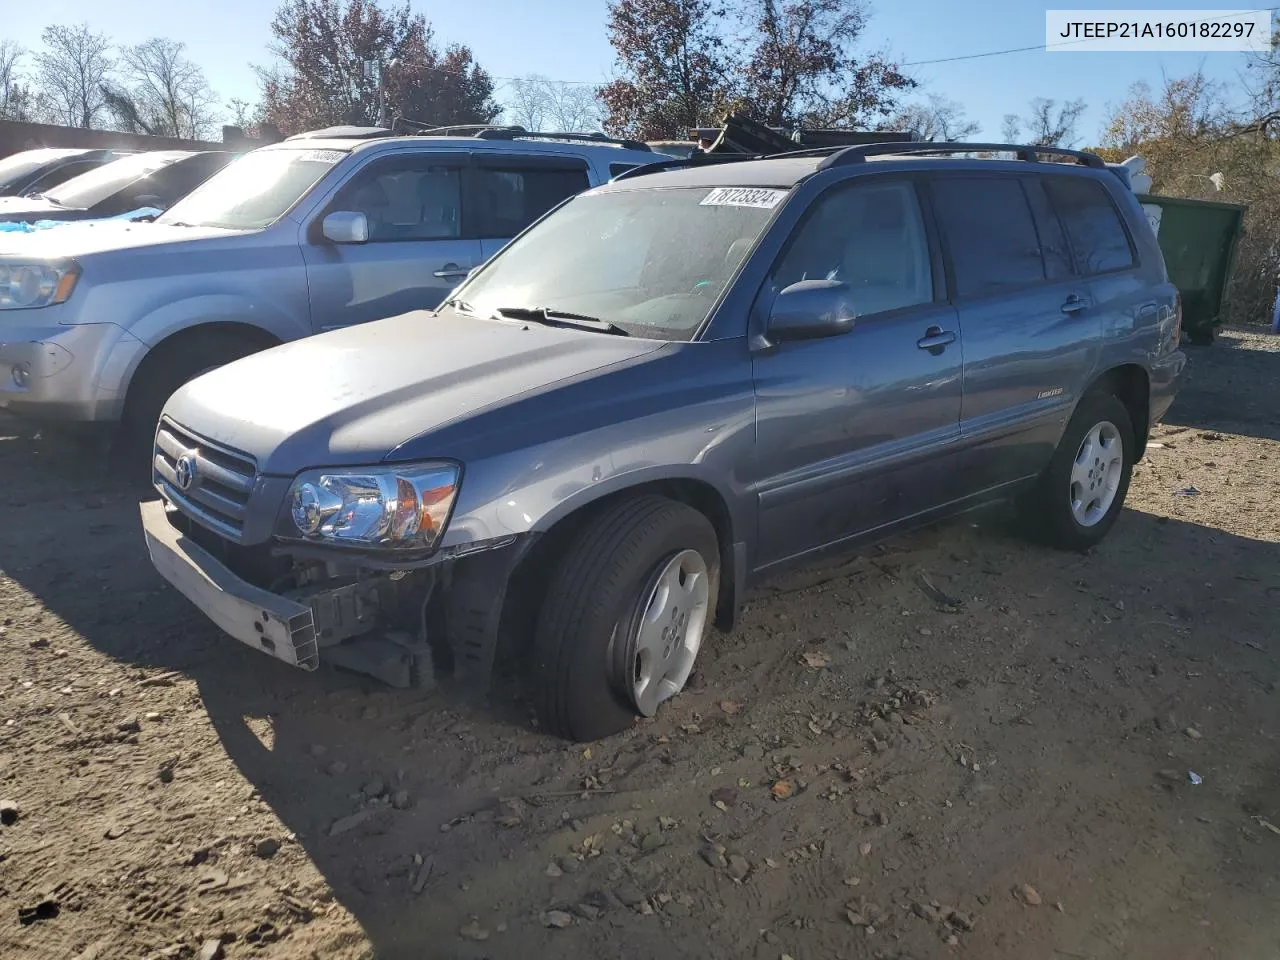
{"points": [[90, 189], [652, 262], [254, 191], [21, 165]]}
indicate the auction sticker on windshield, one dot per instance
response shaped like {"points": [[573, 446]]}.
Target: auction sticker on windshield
{"points": [[743, 197], [321, 156]]}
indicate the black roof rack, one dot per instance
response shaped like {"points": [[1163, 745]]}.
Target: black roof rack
{"points": [[839, 156], [461, 129], [1022, 151]]}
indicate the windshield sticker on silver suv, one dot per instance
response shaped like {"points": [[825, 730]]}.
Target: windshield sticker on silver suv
{"points": [[743, 197], [321, 156]]}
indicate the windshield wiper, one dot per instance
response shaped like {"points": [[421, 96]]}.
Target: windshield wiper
{"points": [[560, 318], [46, 197]]}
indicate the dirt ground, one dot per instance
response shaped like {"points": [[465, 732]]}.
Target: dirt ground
{"points": [[1077, 758]]}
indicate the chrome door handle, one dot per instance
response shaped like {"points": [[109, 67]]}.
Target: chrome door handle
{"points": [[935, 339], [1074, 304], [452, 271]]}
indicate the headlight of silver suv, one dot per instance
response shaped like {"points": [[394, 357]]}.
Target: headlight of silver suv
{"points": [[27, 285], [403, 507]]}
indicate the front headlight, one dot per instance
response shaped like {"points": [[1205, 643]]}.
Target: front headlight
{"points": [[395, 507], [28, 285]]}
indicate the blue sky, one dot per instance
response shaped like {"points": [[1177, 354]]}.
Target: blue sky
{"points": [[566, 40]]}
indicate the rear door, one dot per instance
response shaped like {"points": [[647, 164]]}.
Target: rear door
{"points": [[1029, 326], [1104, 253], [419, 247], [510, 191]]}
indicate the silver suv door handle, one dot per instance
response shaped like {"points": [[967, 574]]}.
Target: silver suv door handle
{"points": [[452, 271], [935, 339], [1075, 303]]}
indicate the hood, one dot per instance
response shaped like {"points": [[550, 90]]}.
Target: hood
{"points": [[99, 236], [354, 395], [33, 208]]}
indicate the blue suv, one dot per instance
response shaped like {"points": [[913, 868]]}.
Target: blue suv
{"points": [[668, 388]]}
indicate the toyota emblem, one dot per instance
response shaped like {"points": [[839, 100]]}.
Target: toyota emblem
{"points": [[185, 470]]}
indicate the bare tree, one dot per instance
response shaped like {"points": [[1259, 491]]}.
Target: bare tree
{"points": [[527, 103], [537, 103], [1010, 128], [169, 92], [15, 96], [243, 114], [71, 71], [1051, 125], [937, 119], [575, 108]]}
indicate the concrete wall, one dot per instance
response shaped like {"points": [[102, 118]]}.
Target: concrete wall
{"points": [[15, 137]]}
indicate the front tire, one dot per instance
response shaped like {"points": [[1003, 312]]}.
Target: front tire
{"points": [[626, 612], [1080, 495], [170, 367]]}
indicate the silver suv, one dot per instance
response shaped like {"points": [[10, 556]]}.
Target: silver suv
{"points": [[321, 231]]}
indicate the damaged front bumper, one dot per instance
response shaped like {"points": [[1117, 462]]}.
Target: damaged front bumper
{"points": [[278, 626], [454, 621]]}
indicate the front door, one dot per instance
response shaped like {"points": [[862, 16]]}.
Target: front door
{"points": [[853, 431], [418, 249]]}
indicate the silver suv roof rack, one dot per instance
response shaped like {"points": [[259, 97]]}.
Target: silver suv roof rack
{"points": [[494, 131]]}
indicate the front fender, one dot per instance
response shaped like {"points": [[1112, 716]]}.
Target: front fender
{"points": [[175, 316]]}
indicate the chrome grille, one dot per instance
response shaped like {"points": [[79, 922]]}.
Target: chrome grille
{"points": [[218, 480]]}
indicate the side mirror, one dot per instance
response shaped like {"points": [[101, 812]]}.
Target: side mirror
{"points": [[343, 226], [150, 200], [810, 310]]}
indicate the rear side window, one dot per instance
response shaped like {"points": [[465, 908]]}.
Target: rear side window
{"points": [[1098, 237], [990, 234], [508, 199]]}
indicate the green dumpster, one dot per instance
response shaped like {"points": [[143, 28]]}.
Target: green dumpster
{"points": [[1198, 239]]}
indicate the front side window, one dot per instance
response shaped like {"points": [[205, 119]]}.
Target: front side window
{"points": [[870, 236], [409, 198], [1098, 238], [990, 234], [255, 191], [508, 199], [651, 262]]}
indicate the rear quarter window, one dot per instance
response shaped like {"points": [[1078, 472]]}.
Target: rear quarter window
{"points": [[1099, 240]]}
